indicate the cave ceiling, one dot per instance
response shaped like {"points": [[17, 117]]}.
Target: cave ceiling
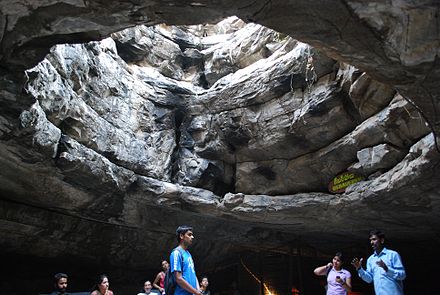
{"points": [[252, 168]]}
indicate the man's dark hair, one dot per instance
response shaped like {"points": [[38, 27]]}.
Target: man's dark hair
{"points": [[341, 257], [181, 230], [59, 276], [378, 233]]}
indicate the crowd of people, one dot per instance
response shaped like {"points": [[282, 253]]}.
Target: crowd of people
{"points": [[182, 268], [384, 268]]}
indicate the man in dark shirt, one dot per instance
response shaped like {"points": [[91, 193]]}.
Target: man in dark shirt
{"points": [[60, 284]]}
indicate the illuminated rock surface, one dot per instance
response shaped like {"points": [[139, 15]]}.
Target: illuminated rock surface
{"points": [[234, 128]]}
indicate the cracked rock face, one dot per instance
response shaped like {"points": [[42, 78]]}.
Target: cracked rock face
{"points": [[229, 126]]}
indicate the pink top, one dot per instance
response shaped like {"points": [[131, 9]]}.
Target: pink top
{"points": [[162, 279]]}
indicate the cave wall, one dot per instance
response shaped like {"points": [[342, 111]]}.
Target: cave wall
{"points": [[126, 138]]}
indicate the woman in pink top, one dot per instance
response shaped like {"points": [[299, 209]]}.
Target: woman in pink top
{"points": [[338, 279], [159, 282]]}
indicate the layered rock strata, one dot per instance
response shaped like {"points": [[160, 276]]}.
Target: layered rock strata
{"points": [[169, 121]]}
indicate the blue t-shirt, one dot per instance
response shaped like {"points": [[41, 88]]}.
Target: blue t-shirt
{"points": [[187, 269]]}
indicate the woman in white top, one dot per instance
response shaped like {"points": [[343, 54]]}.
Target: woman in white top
{"points": [[338, 279]]}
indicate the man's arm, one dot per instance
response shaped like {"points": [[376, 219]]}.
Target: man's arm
{"points": [[396, 269], [184, 284], [366, 275]]}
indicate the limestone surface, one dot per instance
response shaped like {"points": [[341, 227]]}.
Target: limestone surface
{"points": [[120, 120]]}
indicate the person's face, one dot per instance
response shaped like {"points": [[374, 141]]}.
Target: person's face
{"points": [[376, 243], [205, 282], [165, 265], [337, 262], [187, 238], [62, 285], [147, 287], [103, 286]]}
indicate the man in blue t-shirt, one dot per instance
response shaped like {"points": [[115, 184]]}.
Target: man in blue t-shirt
{"points": [[182, 264]]}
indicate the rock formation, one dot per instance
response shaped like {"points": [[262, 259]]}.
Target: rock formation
{"points": [[135, 131]]}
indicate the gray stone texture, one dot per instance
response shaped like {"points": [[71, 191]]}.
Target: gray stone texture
{"points": [[232, 127]]}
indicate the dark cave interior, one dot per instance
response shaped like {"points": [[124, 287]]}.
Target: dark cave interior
{"points": [[280, 272]]}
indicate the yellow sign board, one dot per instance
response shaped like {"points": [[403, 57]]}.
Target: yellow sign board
{"points": [[342, 181]]}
